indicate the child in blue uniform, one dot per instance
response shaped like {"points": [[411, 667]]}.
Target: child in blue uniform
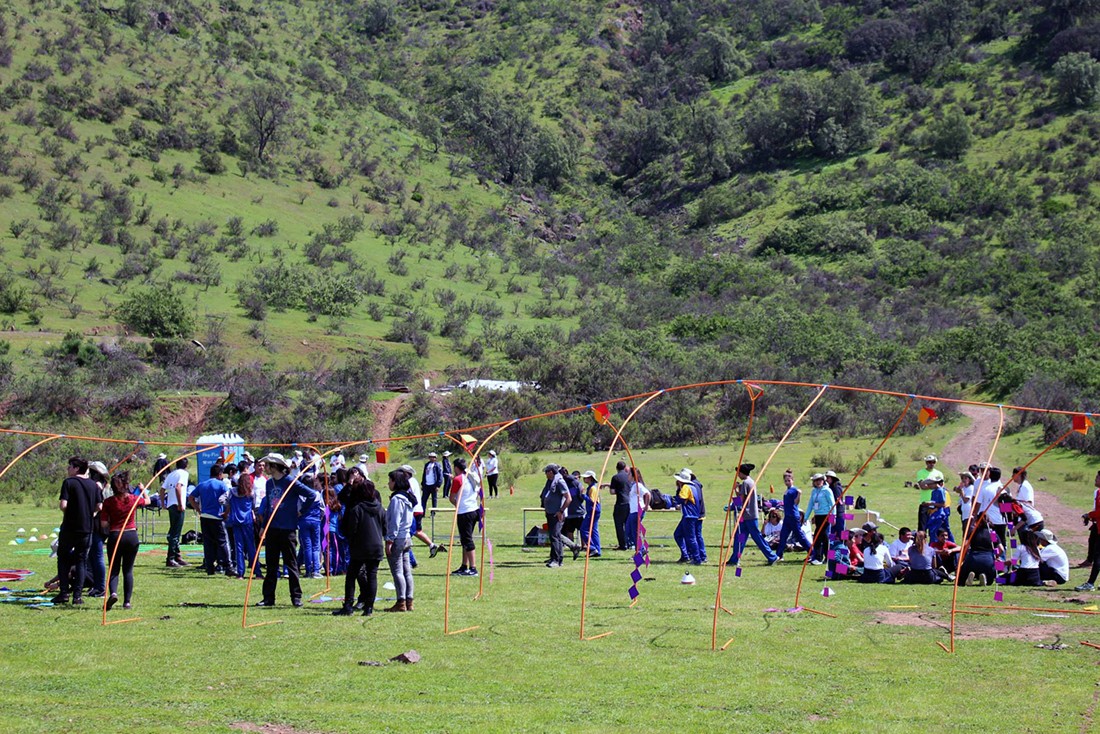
{"points": [[792, 516], [686, 533], [240, 519]]}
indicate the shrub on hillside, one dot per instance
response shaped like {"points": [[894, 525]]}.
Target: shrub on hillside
{"points": [[157, 312], [1077, 80]]}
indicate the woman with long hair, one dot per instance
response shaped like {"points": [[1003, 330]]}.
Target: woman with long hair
{"points": [[240, 519], [364, 527], [121, 534], [399, 523]]}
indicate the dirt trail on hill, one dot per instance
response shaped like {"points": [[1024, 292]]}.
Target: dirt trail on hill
{"points": [[385, 415], [972, 445], [188, 413]]}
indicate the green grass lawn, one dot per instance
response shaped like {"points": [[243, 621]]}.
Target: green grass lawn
{"points": [[187, 668]]}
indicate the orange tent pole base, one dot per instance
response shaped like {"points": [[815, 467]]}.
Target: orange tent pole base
{"points": [[1086, 643], [945, 648], [263, 624], [728, 643], [605, 634], [138, 619], [1030, 609], [823, 614], [468, 629]]}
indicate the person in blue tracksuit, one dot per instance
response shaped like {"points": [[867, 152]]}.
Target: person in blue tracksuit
{"points": [[281, 503], [792, 516], [939, 516], [685, 533], [311, 516], [592, 515], [697, 489], [240, 518], [209, 499]]}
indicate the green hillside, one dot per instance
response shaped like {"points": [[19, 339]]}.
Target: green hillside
{"points": [[601, 198]]}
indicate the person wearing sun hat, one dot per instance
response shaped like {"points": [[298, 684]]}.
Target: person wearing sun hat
{"points": [[362, 465], [818, 509], [926, 482], [1053, 561], [281, 542], [686, 534]]}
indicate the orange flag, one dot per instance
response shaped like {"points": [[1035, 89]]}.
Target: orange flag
{"points": [[468, 441], [382, 455], [926, 416], [1081, 424], [601, 413]]}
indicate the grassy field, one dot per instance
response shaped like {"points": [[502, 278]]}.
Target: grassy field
{"points": [[188, 664]]}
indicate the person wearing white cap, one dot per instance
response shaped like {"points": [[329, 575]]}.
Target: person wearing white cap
{"points": [[160, 463], [926, 482], [492, 472], [431, 479], [362, 465], [337, 462], [685, 532]]}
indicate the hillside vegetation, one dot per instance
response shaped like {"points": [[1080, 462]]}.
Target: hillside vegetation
{"points": [[601, 198]]}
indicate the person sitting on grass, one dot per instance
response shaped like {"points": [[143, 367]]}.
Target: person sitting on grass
{"points": [[773, 528], [855, 552], [947, 553], [878, 566], [978, 566], [1053, 561], [921, 557], [899, 549], [1026, 561]]}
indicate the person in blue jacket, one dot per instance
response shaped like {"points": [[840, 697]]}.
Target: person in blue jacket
{"points": [[591, 505], [311, 516], [209, 498], [240, 517], [792, 517], [697, 489], [686, 534], [281, 543]]}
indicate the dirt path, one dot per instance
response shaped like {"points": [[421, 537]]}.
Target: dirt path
{"points": [[385, 414], [972, 445]]}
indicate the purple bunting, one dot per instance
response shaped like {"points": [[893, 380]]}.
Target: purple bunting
{"points": [[849, 500], [737, 572], [633, 591], [635, 575]]}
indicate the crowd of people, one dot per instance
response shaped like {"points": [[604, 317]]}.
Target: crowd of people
{"points": [[332, 518], [316, 517]]}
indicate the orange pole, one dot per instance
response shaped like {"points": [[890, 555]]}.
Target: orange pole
{"points": [[130, 514], [839, 500], [481, 500], [129, 456], [29, 449], [726, 518], [752, 495], [599, 483]]}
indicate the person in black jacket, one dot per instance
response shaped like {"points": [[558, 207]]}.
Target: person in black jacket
{"points": [[364, 527], [620, 487]]}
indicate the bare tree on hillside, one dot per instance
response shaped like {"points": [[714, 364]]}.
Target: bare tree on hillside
{"points": [[264, 108]]}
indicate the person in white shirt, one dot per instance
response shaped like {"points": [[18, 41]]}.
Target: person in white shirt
{"points": [[173, 494], [1025, 493], [878, 567], [1053, 561], [464, 496], [965, 490], [337, 462], [363, 459], [418, 515], [492, 472], [1026, 561], [899, 549], [988, 502]]}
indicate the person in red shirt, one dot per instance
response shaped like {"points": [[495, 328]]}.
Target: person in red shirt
{"points": [[117, 522], [947, 558]]}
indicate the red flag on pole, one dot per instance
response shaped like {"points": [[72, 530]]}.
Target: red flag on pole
{"points": [[926, 416], [601, 413], [1081, 424]]}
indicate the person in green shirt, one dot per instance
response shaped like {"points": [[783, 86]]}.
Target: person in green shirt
{"points": [[927, 480]]}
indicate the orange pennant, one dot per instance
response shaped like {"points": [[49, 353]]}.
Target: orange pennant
{"points": [[382, 455], [601, 413], [926, 416], [1081, 424]]}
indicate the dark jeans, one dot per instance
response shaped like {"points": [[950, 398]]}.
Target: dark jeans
{"points": [[493, 484], [923, 514], [72, 558], [553, 532], [792, 529], [281, 544], [97, 562], [124, 560], [215, 545], [430, 492], [821, 537], [570, 526], [176, 516], [620, 513], [365, 571], [1046, 573]]}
